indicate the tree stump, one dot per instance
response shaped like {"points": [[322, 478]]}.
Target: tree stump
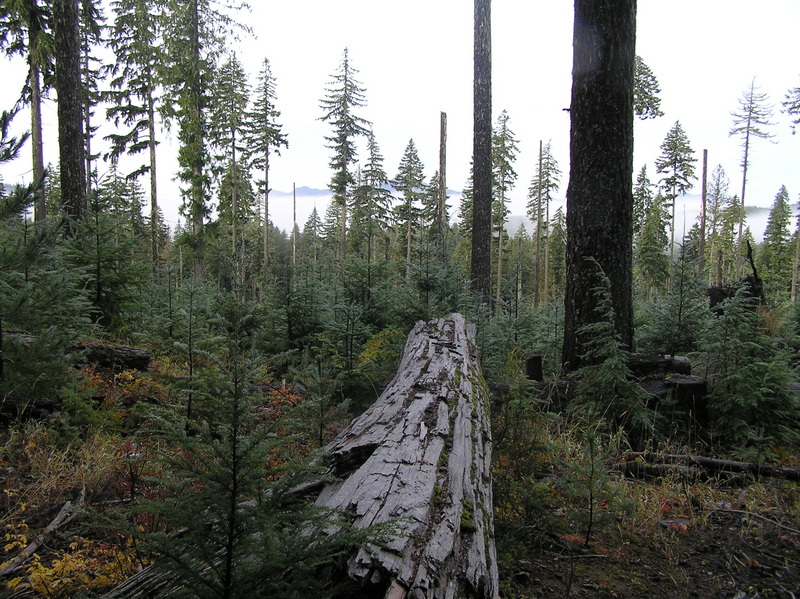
{"points": [[420, 458]]}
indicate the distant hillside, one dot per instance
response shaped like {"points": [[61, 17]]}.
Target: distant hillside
{"points": [[311, 192]]}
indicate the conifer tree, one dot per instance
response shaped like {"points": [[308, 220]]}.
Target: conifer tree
{"points": [[134, 94], [228, 100], [372, 200], [557, 247], [721, 218], [750, 121], [343, 94], [791, 106], [26, 28], [546, 180], [92, 28], [652, 260], [646, 103], [777, 249], [676, 164], [410, 182], [263, 135], [642, 198], [194, 34], [504, 154]]}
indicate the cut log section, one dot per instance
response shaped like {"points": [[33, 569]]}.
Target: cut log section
{"points": [[420, 458]]}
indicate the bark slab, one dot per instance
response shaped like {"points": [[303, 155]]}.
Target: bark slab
{"points": [[420, 458]]}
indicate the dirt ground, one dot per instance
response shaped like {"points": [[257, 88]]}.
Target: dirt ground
{"points": [[722, 550]]}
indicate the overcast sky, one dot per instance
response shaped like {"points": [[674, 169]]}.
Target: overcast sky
{"points": [[415, 60]]}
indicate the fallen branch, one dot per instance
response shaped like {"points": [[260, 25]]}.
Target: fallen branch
{"points": [[712, 464], [760, 517], [67, 512]]}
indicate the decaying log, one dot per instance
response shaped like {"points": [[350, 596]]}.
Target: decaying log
{"points": [[113, 356], [118, 357], [420, 458], [680, 463]]}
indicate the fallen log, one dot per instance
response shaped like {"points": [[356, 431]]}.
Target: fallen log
{"points": [[680, 463], [420, 458]]}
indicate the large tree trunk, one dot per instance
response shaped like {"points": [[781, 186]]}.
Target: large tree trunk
{"points": [[420, 457], [70, 110], [481, 265], [599, 197]]}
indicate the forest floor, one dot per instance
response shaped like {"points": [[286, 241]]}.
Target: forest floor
{"points": [[684, 540]]}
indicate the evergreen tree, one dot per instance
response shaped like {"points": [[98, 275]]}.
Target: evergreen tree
{"points": [[652, 260], [25, 28], [228, 100], [194, 34], [263, 136], [557, 246], [751, 120], [642, 199], [410, 182], [646, 103], [504, 154], [343, 94], [721, 219], [372, 200], [752, 405], [791, 106], [676, 164], [134, 93], [92, 27], [546, 180], [777, 250]]}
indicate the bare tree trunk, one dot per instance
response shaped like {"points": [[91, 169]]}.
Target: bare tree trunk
{"points": [[738, 270], [600, 196], [34, 81], [266, 216], [701, 263], [154, 219], [481, 264], [441, 212], [70, 111], [537, 283]]}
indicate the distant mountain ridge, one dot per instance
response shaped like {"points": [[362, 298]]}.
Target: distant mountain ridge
{"points": [[311, 192]]}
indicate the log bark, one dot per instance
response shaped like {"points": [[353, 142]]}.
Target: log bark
{"points": [[420, 458]]}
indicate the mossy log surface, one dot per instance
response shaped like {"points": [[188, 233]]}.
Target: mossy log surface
{"points": [[420, 458]]}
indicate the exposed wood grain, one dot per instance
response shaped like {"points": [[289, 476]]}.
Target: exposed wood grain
{"points": [[420, 457]]}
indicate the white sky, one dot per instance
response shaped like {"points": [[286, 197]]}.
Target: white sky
{"points": [[415, 60]]}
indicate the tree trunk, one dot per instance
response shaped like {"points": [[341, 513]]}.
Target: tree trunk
{"points": [[420, 457], [481, 265], [34, 80], [151, 127], [538, 269], [70, 111], [600, 197], [441, 212], [701, 250]]}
